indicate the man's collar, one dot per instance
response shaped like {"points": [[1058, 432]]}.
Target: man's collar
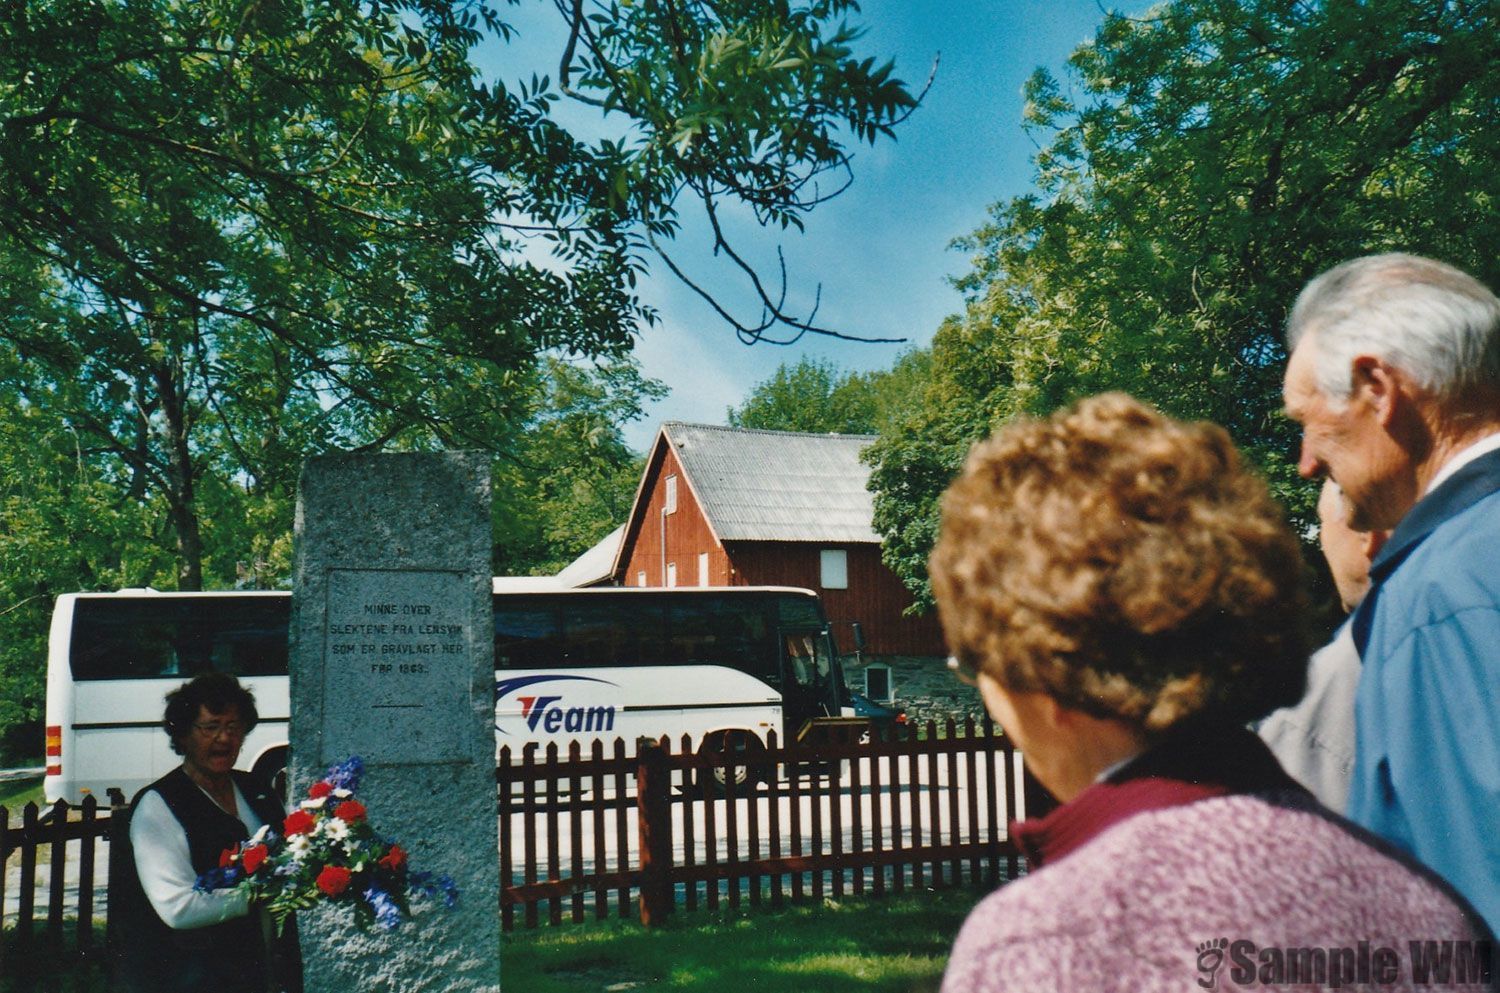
{"points": [[1476, 478], [1462, 458]]}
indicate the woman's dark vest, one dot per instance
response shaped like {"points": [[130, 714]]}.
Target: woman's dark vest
{"points": [[229, 956]]}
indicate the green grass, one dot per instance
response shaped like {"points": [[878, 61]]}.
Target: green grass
{"points": [[893, 945], [896, 945], [14, 796], [19, 792]]}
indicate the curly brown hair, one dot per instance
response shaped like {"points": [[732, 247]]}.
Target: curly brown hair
{"points": [[1127, 564], [215, 691]]}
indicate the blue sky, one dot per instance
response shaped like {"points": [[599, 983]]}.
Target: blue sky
{"points": [[880, 250]]}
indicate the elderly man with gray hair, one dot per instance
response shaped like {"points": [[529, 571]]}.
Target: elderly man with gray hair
{"points": [[1395, 378]]}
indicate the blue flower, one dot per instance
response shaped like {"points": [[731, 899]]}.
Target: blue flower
{"points": [[387, 914], [346, 775], [218, 879]]}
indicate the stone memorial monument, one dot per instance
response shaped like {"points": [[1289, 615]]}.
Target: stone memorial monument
{"points": [[392, 660]]}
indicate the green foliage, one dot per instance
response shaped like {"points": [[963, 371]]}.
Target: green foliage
{"points": [[63, 526], [815, 396], [235, 235], [1215, 158], [809, 396], [572, 478]]}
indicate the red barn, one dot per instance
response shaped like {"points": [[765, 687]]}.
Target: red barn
{"points": [[720, 506]]}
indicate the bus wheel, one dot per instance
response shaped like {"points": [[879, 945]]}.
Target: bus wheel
{"points": [[738, 756], [272, 768]]}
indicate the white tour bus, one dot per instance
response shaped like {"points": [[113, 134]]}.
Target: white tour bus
{"points": [[724, 665]]}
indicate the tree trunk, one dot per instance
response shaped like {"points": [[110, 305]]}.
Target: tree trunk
{"points": [[181, 480]]}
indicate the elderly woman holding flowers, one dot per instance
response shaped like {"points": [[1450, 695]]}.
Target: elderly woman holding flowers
{"points": [[177, 937], [1127, 597]]}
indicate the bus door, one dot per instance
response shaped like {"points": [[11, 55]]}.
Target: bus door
{"points": [[809, 679]]}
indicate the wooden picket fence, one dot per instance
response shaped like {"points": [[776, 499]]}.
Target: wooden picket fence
{"points": [[596, 834], [606, 833], [78, 909]]}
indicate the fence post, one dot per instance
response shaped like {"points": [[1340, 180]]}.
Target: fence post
{"points": [[86, 845], [120, 863], [26, 911], [4, 873], [56, 890], [653, 804]]}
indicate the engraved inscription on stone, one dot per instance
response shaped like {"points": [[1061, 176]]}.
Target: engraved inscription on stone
{"points": [[396, 666]]}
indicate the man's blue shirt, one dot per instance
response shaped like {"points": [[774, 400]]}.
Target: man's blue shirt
{"points": [[1427, 713]]}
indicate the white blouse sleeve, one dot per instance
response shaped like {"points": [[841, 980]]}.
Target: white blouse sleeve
{"points": [[166, 870]]}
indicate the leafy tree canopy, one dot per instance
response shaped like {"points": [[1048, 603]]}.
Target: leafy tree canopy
{"points": [[233, 234], [572, 479], [1204, 162], [816, 396]]}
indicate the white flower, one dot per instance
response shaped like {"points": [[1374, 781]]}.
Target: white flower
{"points": [[314, 804], [341, 793], [336, 830], [299, 845], [260, 835]]}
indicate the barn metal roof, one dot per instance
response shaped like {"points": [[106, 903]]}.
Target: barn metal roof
{"points": [[777, 485]]}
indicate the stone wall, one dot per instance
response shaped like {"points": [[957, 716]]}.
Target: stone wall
{"points": [[923, 686]]}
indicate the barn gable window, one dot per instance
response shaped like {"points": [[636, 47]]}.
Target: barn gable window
{"points": [[702, 568], [670, 502], [834, 572]]}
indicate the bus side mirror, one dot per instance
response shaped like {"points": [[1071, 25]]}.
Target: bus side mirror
{"points": [[859, 636]]}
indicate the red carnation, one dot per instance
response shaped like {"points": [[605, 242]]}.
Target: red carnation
{"points": [[394, 859], [333, 880], [253, 857], [297, 822], [319, 790], [350, 811], [226, 857]]}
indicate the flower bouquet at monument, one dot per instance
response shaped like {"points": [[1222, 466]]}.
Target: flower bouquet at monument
{"points": [[327, 852]]}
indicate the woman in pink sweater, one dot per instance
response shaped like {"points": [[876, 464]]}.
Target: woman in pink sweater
{"points": [[1127, 597]]}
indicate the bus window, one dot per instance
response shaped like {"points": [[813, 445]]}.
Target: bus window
{"points": [[131, 639], [722, 631], [806, 664], [525, 634], [603, 633], [798, 612]]}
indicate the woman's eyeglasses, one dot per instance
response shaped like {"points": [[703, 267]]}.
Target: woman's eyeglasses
{"points": [[212, 730]]}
